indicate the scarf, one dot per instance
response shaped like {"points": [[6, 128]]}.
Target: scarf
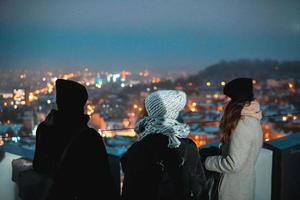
{"points": [[165, 126], [253, 110]]}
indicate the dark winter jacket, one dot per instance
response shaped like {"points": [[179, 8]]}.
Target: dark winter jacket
{"points": [[84, 171], [141, 177]]}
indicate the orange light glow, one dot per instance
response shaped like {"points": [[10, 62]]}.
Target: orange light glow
{"points": [[284, 118], [1, 141], [219, 108], [291, 85], [128, 133]]}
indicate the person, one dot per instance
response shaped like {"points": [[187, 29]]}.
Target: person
{"points": [[163, 164], [241, 141], [71, 152]]}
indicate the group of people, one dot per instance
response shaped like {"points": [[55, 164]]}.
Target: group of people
{"points": [[164, 164]]}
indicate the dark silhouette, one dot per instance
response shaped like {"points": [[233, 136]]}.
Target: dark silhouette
{"points": [[212, 178], [83, 171], [164, 164], [143, 173]]}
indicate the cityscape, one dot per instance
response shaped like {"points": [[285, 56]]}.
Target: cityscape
{"points": [[116, 102]]}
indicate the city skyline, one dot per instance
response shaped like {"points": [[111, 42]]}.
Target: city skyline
{"points": [[155, 35]]}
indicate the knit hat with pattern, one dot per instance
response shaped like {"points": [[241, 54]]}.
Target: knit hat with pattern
{"points": [[163, 108], [165, 103]]}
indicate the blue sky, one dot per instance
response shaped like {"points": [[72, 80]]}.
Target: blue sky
{"points": [[136, 34]]}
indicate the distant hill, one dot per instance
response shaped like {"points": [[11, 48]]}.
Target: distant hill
{"points": [[257, 69]]}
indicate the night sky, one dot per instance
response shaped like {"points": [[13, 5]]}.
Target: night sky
{"points": [[153, 34]]}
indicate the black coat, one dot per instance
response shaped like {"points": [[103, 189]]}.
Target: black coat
{"points": [[84, 171], [141, 178]]}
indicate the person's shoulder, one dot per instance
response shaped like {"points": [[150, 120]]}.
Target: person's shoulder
{"points": [[246, 126], [248, 122], [42, 128], [188, 143], [90, 133], [135, 148]]}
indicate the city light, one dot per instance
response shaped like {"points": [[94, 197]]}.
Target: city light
{"points": [[204, 105], [291, 85], [284, 118], [124, 132], [220, 108], [208, 83], [1, 141], [90, 109], [22, 76], [115, 77], [294, 117], [19, 95]]}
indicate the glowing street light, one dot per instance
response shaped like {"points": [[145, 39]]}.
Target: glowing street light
{"points": [[294, 117], [284, 118]]}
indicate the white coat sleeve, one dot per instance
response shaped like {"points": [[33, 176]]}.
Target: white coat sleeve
{"points": [[239, 149]]}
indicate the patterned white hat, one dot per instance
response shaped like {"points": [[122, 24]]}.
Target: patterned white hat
{"points": [[165, 103]]}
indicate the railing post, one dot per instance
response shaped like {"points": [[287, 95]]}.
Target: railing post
{"points": [[286, 163]]}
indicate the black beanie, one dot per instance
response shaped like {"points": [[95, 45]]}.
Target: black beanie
{"points": [[70, 96], [239, 89]]}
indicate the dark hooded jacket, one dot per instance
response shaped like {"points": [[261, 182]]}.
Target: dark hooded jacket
{"points": [[71, 152], [142, 174], [84, 171]]}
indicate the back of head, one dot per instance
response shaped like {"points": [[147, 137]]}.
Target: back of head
{"points": [[165, 103], [240, 91], [71, 96]]}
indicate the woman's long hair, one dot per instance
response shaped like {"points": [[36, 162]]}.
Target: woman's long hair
{"points": [[231, 117]]}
